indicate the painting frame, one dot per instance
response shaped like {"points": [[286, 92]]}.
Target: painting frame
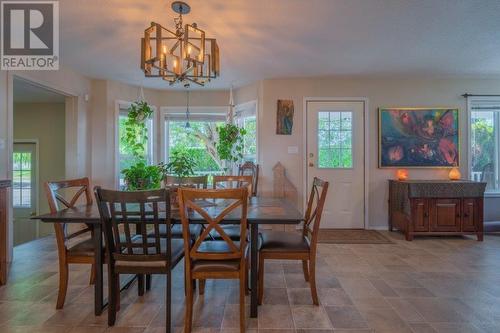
{"points": [[285, 110], [457, 136]]}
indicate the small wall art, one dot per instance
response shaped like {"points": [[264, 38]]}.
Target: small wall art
{"points": [[284, 117]]}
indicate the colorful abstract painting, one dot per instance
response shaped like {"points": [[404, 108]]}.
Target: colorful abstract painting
{"points": [[418, 137], [284, 117]]}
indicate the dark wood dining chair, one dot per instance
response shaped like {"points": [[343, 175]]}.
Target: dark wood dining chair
{"points": [[249, 168], [199, 182], [224, 259], [72, 247], [231, 182], [137, 252], [284, 245]]}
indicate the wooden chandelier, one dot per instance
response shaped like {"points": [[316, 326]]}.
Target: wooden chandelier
{"points": [[180, 56]]}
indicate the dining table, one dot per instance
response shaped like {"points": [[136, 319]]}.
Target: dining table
{"points": [[260, 211]]}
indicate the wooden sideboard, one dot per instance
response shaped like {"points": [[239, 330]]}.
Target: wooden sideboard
{"points": [[436, 207], [4, 185]]}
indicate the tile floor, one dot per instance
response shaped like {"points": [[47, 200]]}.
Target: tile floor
{"points": [[428, 285]]}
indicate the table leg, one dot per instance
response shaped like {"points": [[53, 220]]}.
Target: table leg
{"points": [[254, 234], [98, 286]]}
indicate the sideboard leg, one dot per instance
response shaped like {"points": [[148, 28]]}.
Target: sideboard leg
{"points": [[480, 237]]}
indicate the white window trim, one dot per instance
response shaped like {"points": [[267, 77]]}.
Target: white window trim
{"points": [[248, 109], [174, 111], [470, 102], [121, 104]]}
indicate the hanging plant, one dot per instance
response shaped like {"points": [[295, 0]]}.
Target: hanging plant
{"points": [[230, 144], [140, 175], [136, 131]]}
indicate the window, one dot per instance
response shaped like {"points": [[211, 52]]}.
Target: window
{"points": [[198, 139], [246, 117], [125, 157], [334, 139], [485, 141], [22, 179]]}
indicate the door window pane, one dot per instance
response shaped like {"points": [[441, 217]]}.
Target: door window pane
{"points": [[335, 139], [22, 179]]}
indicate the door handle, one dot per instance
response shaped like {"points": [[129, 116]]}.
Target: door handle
{"points": [[311, 164]]}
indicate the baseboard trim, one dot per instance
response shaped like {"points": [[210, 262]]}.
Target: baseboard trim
{"points": [[378, 227]]}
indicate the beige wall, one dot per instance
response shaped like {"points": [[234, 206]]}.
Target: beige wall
{"points": [[44, 122], [380, 92]]}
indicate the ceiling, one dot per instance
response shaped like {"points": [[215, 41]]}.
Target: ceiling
{"points": [[25, 92], [261, 39]]}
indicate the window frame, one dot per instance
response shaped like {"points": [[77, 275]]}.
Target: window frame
{"points": [[247, 110], [120, 107], [472, 102]]}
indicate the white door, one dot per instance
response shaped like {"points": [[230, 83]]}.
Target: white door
{"points": [[335, 153], [24, 192]]}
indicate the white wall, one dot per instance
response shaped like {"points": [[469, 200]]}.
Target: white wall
{"points": [[380, 92]]}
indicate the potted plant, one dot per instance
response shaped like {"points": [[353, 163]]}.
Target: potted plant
{"points": [[140, 175], [230, 145], [181, 163]]}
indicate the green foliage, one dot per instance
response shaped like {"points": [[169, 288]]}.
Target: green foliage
{"points": [[483, 144], [133, 142], [231, 143], [181, 163], [143, 177], [203, 162], [199, 140], [135, 134]]}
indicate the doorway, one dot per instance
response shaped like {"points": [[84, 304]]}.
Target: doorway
{"points": [[335, 152], [38, 155]]}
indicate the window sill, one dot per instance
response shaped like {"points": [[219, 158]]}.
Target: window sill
{"points": [[492, 194]]}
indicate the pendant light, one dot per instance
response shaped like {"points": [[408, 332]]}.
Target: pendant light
{"points": [[187, 106]]}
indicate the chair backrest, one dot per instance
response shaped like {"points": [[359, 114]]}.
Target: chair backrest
{"points": [[213, 206], [128, 218], [76, 189], [314, 210], [193, 181], [233, 182], [249, 168]]}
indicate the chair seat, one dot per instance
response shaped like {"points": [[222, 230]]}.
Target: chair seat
{"points": [[194, 229], [85, 248], [216, 265], [227, 265], [177, 253], [233, 231], [281, 241]]}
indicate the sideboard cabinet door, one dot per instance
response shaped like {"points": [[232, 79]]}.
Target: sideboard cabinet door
{"points": [[420, 214], [445, 215], [470, 214]]}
